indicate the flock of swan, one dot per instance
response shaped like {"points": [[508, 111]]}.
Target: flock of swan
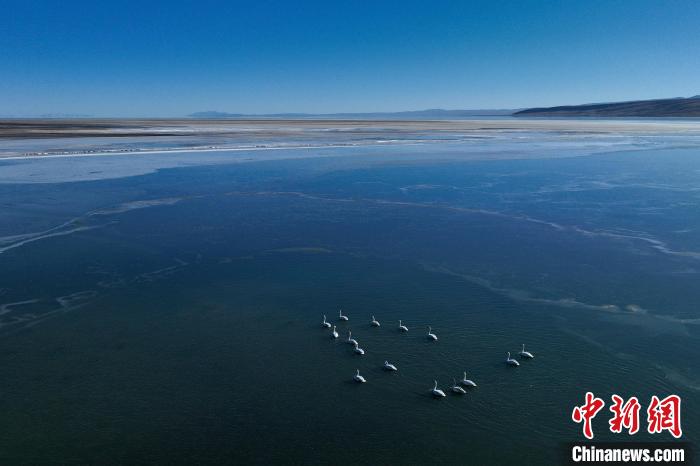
{"points": [[436, 392]]}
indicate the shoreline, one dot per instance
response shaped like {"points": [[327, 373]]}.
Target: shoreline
{"points": [[41, 139], [60, 128], [203, 149]]}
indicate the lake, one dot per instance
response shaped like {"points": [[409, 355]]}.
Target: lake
{"points": [[167, 307]]}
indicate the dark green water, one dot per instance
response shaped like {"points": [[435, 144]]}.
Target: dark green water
{"points": [[175, 317]]}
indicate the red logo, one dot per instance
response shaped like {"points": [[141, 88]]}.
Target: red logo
{"points": [[624, 415], [587, 412], [665, 415], [661, 415]]}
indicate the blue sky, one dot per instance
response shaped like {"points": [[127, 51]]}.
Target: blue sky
{"points": [[150, 58]]}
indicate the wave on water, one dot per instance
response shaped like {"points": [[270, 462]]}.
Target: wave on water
{"points": [[9, 307], [654, 243], [30, 312], [630, 314], [142, 204], [145, 277], [48, 235], [679, 378], [673, 375], [74, 225]]}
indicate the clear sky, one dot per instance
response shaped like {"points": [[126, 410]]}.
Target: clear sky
{"points": [[171, 58]]}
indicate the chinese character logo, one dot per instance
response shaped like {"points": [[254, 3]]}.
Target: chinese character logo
{"points": [[662, 415], [624, 415], [665, 415], [587, 412]]}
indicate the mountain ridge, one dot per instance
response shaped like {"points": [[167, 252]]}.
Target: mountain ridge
{"points": [[428, 113], [670, 107]]}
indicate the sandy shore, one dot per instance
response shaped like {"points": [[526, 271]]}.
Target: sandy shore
{"points": [[97, 152], [89, 137], [55, 128]]}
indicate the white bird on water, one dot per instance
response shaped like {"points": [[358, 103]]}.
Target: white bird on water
{"points": [[358, 377], [334, 334], [510, 361], [456, 388], [389, 367], [431, 335], [526, 354], [351, 340], [402, 327], [375, 322], [324, 323], [466, 382], [341, 316], [358, 350], [436, 392]]}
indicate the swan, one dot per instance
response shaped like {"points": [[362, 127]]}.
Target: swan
{"points": [[358, 350], [431, 336], [389, 367], [334, 334], [351, 340], [526, 354], [358, 377], [324, 323], [511, 362], [374, 322], [402, 327], [436, 392], [456, 388], [341, 316], [466, 382]]}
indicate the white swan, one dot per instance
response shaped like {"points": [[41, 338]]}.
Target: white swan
{"points": [[324, 323], [341, 316], [511, 362], [466, 382], [402, 327], [351, 340], [431, 335], [334, 334], [456, 388], [389, 367], [374, 322], [358, 350], [526, 354], [436, 392], [358, 377]]}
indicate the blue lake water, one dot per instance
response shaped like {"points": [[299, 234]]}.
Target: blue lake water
{"points": [[167, 307]]}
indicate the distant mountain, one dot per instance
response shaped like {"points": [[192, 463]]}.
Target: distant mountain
{"points": [[64, 115], [213, 114], [435, 113], [676, 107]]}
